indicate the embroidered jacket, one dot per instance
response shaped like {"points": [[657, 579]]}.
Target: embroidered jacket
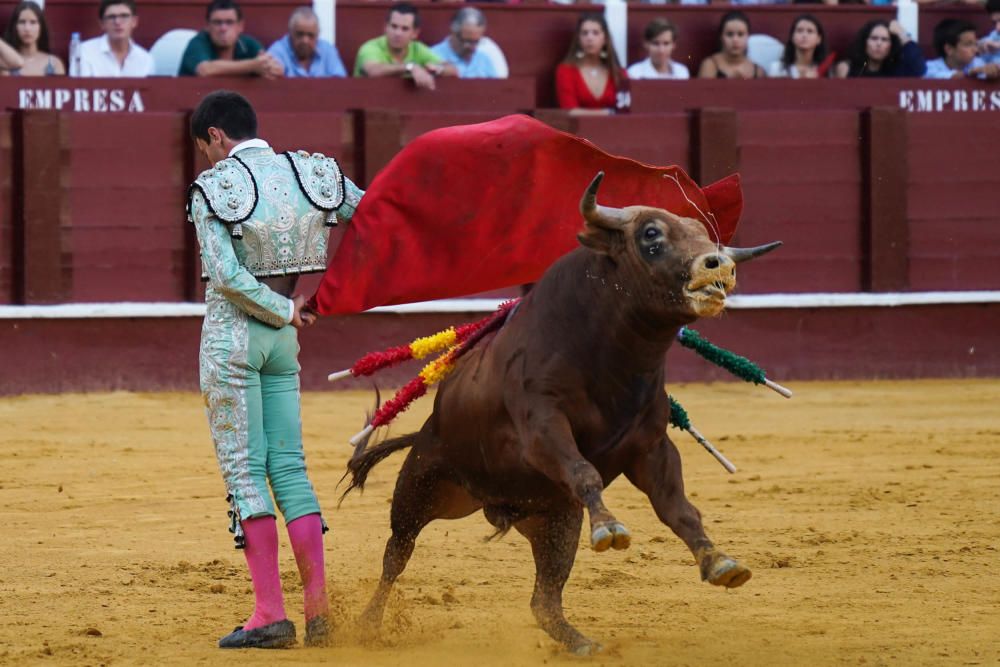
{"points": [[261, 213]]}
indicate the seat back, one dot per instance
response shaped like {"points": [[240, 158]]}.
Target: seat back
{"points": [[764, 50], [169, 49]]}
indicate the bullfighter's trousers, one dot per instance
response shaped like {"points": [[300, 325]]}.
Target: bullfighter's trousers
{"points": [[250, 383]]}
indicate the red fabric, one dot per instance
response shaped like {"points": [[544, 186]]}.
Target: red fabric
{"points": [[475, 208], [573, 93]]}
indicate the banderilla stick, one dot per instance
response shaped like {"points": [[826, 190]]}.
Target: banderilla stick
{"points": [[711, 449]]}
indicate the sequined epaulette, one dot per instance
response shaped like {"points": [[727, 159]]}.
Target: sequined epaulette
{"points": [[320, 179], [230, 192]]}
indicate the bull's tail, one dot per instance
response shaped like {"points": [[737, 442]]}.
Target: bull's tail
{"points": [[365, 459]]}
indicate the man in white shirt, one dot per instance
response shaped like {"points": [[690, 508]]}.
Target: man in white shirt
{"points": [[114, 54]]}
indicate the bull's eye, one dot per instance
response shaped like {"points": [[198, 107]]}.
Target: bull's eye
{"points": [[652, 232]]}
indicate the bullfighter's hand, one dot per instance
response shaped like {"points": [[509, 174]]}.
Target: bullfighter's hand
{"points": [[302, 315]]}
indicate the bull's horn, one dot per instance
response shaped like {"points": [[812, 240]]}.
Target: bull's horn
{"points": [[597, 215], [743, 254]]}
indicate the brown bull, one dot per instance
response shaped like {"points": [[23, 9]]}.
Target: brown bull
{"points": [[536, 422]]}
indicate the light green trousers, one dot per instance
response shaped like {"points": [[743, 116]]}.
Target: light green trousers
{"points": [[250, 382]]}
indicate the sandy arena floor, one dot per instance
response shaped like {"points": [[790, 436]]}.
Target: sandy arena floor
{"points": [[869, 513]]}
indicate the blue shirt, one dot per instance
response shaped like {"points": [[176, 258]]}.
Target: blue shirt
{"points": [[938, 69], [326, 61], [478, 67], [991, 57]]}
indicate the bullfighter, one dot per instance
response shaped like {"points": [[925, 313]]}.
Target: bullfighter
{"points": [[262, 219]]}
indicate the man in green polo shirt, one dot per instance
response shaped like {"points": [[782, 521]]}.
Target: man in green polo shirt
{"points": [[223, 49], [398, 53]]}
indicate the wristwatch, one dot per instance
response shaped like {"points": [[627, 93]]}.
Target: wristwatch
{"points": [[409, 67]]}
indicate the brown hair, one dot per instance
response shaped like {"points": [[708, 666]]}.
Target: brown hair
{"points": [[575, 53], [11, 36]]}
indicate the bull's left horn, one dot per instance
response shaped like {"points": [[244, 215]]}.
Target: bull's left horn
{"points": [[597, 215], [743, 254]]}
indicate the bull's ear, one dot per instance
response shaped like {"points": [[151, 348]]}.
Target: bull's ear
{"points": [[598, 239]]}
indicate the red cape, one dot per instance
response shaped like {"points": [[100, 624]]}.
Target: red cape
{"points": [[474, 208]]}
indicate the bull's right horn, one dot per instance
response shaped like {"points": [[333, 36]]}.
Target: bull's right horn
{"points": [[743, 254], [597, 215]]}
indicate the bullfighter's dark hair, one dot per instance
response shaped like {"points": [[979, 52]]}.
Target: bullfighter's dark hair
{"points": [[857, 53], [788, 59], [610, 56], [107, 3], [230, 112], [221, 5], [11, 36], [948, 32], [728, 17], [404, 8]]}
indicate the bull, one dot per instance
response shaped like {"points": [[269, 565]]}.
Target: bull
{"points": [[569, 394]]}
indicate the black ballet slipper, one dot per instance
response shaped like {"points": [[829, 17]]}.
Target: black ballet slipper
{"points": [[275, 635]]}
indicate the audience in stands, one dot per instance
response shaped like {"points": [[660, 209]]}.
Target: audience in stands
{"points": [[590, 80], [114, 54], [659, 38], [302, 53], [805, 54], [882, 49], [28, 34], [989, 46], [399, 53], [461, 47], [956, 46], [731, 60], [223, 50]]}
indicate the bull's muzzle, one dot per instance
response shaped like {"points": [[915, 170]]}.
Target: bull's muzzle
{"points": [[713, 276]]}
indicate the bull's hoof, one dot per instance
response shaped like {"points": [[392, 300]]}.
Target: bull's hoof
{"points": [[586, 648], [608, 535], [719, 569]]}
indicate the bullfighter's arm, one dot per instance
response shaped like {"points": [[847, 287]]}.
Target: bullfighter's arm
{"points": [[352, 197], [231, 279]]}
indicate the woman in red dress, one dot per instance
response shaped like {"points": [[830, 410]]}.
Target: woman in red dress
{"points": [[590, 80]]}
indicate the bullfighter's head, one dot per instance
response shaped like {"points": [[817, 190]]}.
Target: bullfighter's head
{"points": [[668, 259]]}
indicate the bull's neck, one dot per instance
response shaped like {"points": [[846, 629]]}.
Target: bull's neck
{"points": [[618, 307]]}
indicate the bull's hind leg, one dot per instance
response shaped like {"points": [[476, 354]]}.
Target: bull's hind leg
{"points": [[554, 538], [553, 452], [421, 496], [658, 474]]}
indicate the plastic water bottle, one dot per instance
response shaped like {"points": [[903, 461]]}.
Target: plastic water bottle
{"points": [[74, 54]]}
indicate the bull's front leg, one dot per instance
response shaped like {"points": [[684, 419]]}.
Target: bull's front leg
{"points": [[657, 473], [552, 451]]}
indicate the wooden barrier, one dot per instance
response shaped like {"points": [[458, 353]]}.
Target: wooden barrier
{"points": [[865, 200]]}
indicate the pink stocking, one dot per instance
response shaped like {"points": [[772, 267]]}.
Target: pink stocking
{"points": [[261, 552], [306, 536]]}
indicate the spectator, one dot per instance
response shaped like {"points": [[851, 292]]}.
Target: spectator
{"points": [[223, 49], [805, 51], [302, 53], [989, 46], [956, 46], [28, 34], [659, 38], [731, 60], [114, 54], [461, 47], [882, 49], [590, 80], [398, 53]]}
